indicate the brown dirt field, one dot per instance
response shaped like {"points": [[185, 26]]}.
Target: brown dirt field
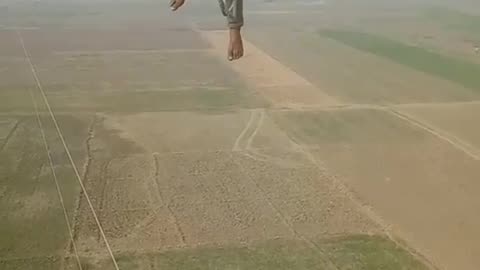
{"points": [[125, 198], [268, 76], [190, 195], [424, 188], [210, 199], [308, 200], [451, 120], [172, 190]]}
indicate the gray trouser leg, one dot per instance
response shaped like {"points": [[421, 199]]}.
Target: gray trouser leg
{"points": [[233, 10]]}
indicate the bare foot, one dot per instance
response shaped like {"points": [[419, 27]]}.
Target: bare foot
{"points": [[235, 46]]}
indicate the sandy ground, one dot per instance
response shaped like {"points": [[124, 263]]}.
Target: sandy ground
{"points": [[121, 149]]}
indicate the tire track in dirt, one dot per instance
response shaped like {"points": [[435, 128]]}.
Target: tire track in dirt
{"points": [[243, 144], [238, 141], [454, 141], [283, 87], [249, 150], [255, 131]]}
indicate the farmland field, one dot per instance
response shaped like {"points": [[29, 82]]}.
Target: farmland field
{"points": [[128, 141]]}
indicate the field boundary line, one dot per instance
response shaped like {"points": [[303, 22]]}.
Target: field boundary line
{"points": [[457, 143], [109, 52], [369, 106], [67, 151], [178, 228], [257, 117], [437, 104]]}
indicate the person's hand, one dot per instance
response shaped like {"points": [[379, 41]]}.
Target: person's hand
{"points": [[175, 4]]}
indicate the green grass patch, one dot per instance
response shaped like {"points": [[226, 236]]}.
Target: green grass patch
{"points": [[449, 68], [352, 253], [343, 253], [42, 263], [370, 252]]}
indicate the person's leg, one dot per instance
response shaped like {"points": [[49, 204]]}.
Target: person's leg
{"points": [[221, 3], [235, 46], [233, 11]]}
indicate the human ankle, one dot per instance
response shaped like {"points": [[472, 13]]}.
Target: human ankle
{"points": [[235, 32]]}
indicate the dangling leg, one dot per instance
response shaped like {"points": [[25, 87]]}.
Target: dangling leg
{"points": [[233, 10]]}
